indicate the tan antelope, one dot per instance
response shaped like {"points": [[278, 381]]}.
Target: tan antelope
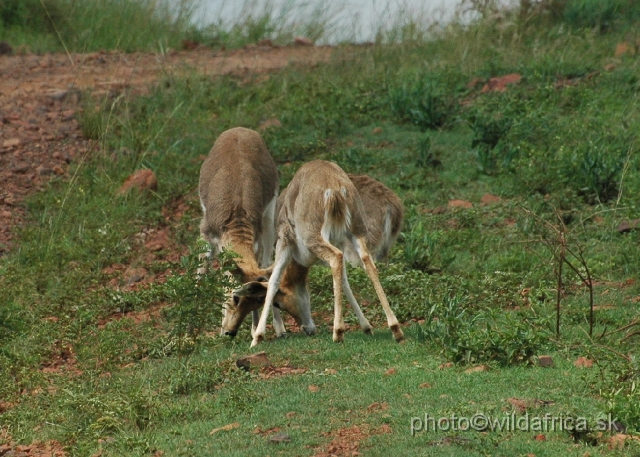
{"points": [[320, 211], [238, 190], [383, 216]]}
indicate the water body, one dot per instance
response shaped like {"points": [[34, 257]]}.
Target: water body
{"points": [[350, 20]]}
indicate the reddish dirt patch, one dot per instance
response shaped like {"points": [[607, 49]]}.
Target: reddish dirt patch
{"points": [[35, 449], [460, 204], [150, 314], [347, 441], [500, 83], [40, 97], [61, 360], [274, 372]]}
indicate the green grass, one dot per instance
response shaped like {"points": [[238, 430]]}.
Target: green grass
{"points": [[481, 277]]}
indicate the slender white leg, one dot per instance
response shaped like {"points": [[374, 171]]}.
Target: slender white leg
{"points": [[372, 272], [282, 259], [362, 320]]}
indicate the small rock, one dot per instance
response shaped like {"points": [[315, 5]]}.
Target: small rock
{"points": [[545, 361], [141, 180], [11, 142], [134, 275], [259, 359], [20, 167], [628, 226], [302, 41], [5, 49], [43, 171], [280, 438], [477, 369]]}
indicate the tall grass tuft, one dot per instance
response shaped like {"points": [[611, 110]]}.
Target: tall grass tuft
{"points": [[90, 25]]}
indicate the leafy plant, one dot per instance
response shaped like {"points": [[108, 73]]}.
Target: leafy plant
{"points": [[197, 378], [489, 131], [426, 157], [423, 249], [426, 104], [197, 297], [486, 336], [594, 170]]}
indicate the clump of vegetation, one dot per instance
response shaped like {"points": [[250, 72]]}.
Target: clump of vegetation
{"points": [[469, 336], [426, 103]]}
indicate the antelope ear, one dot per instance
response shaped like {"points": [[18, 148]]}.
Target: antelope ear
{"points": [[251, 289]]}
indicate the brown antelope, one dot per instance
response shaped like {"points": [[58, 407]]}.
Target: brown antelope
{"points": [[321, 210], [238, 190], [383, 215]]}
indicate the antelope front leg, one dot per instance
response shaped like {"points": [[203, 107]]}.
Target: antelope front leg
{"points": [[282, 259], [372, 272]]}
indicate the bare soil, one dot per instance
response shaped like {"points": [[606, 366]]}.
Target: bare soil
{"points": [[41, 95]]}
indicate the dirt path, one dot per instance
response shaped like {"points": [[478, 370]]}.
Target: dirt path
{"points": [[40, 96]]}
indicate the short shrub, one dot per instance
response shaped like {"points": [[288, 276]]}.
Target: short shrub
{"points": [[423, 249], [488, 133], [594, 170], [31, 14], [486, 336], [426, 104], [197, 378]]}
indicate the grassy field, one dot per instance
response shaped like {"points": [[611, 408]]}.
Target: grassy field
{"points": [[475, 281]]}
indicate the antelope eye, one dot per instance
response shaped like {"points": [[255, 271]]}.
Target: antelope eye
{"points": [[262, 279], [236, 300]]}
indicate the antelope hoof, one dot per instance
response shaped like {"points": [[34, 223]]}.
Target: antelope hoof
{"points": [[368, 331], [397, 333], [283, 335], [309, 330], [338, 335], [257, 339], [231, 333]]}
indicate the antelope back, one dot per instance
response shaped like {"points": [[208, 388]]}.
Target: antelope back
{"points": [[238, 180]]}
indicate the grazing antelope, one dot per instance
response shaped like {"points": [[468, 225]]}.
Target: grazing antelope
{"points": [[383, 216], [238, 190], [320, 211]]}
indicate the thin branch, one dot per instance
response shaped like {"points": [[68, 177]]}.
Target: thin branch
{"points": [[621, 329]]}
